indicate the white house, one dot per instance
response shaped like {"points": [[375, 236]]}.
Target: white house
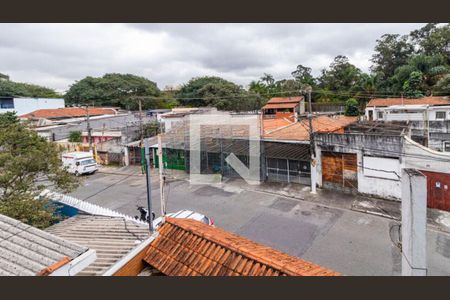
{"points": [[422, 112], [26, 105], [401, 109]]}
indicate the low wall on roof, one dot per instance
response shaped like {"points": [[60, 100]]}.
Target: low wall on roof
{"points": [[384, 145]]}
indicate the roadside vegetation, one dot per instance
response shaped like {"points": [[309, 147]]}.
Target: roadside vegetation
{"points": [[29, 163]]}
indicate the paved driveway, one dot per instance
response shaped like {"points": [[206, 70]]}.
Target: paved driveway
{"points": [[350, 242]]}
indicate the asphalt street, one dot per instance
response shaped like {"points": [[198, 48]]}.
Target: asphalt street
{"points": [[350, 242]]}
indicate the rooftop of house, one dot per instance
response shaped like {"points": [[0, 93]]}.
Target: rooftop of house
{"points": [[394, 128], [185, 247], [280, 102], [111, 237], [286, 99], [279, 105], [68, 112], [379, 102], [28, 251], [272, 124], [299, 131]]}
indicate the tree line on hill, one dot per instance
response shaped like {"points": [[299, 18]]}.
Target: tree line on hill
{"points": [[412, 65]]}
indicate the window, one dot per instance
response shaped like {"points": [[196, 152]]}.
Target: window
{"points": [[440, 115], [446, 146], [87, 162], [7, 103], [380, 115]]}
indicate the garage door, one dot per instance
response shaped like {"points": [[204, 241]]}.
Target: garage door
{"points": [[340, 170], [288, 170], [438, 190]]}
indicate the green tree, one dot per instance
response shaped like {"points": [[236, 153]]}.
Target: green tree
{"points": [[265, 88], [11, 89], [151, 129], [304, 76], [412, 86], [114, 90], [28, 163], [433, 39], [340, 78], [391, 52], [216, 92], [4, 76], [351, 107], [442, 87], [75, 137]]}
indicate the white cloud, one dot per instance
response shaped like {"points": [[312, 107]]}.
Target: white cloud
{"points": [[55, 55]]}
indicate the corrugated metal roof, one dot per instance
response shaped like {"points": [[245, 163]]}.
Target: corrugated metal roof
{"points": [[187, 247], [112, 238], [26, 250], [287, 151]]}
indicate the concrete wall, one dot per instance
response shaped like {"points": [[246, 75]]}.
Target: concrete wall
{"points": [[383, 147], [26, 105], [414, 223], [423, 158], [378, 183]]}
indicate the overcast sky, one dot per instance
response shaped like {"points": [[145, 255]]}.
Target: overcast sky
{"points": [[55, 55]]}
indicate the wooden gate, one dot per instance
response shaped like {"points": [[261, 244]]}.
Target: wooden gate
{"points": [[340, 170], [438, 190]]}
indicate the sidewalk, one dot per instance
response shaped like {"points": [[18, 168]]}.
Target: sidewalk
{"points": [[437, 219]]}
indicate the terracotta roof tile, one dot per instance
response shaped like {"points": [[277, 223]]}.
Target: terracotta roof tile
{"points": [[68, 112], [404, 101], [271, 124], [300, 131], [280, 105], [186, 247], [286, 99]]}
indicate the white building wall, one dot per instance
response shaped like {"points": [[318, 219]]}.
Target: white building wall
{"points": [[170, 122], [375, 111], [412, 116], [26, 105], [432, 113], [378, 183], [423, 158]]}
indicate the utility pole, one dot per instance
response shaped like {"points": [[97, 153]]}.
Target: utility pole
{"points": [[141, 126], [162, 178], [89, 129], [141, 130], [149, 191], [311, 143]]}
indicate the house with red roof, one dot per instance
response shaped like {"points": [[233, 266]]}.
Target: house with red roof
{"points": [[284, 107], [402, 109]]}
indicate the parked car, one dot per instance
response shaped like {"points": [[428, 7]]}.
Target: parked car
{"points": [[186, 214], [79, 163]]}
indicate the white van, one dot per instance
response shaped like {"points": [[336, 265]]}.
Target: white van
{"points": [[79, 163]]}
